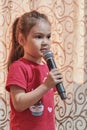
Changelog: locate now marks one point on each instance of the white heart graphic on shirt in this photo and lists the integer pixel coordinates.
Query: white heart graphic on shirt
(50, 109)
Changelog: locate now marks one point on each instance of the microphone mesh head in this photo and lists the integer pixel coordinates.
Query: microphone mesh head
(47, 54)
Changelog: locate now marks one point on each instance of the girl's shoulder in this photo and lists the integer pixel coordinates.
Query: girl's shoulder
(21, 67)
(21, 64)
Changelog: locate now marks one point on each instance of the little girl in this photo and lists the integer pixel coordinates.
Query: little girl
(29, 81)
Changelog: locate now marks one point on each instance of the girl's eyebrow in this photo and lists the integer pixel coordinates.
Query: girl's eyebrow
(39, 33)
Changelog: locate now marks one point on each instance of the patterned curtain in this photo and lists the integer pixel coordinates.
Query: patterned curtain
(69, 44)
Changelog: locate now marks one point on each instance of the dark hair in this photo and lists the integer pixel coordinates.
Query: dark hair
(23, 25)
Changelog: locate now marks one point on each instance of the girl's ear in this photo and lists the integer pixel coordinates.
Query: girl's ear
(21, 39)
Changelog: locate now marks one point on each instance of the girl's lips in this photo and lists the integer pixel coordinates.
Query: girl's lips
(43, 50)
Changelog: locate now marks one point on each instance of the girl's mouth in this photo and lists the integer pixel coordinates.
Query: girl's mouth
(43, 50)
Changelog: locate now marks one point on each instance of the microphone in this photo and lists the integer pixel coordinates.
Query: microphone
(48, 57)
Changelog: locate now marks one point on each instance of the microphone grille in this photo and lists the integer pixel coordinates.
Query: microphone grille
(47, 54)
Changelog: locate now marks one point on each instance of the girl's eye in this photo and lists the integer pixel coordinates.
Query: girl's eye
(49, 36)
(39, 36)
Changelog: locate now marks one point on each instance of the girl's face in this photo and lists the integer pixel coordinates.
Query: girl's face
(38, 40)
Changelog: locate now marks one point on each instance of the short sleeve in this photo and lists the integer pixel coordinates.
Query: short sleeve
(16, 76)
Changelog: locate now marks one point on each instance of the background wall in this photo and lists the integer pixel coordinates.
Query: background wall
(69, 44)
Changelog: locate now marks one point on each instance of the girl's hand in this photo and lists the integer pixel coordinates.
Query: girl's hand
(54, 77)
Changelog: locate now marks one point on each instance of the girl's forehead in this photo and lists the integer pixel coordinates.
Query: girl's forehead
(42, 26)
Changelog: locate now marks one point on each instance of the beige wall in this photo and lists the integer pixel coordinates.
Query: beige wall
(69, 44)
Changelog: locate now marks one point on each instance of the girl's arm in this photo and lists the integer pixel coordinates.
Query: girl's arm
(22, 100)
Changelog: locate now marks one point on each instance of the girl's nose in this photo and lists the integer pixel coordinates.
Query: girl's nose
(45, 41)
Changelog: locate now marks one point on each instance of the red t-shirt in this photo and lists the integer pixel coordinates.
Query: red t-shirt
(40, 116)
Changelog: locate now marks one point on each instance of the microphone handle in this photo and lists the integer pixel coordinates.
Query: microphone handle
(60, 88)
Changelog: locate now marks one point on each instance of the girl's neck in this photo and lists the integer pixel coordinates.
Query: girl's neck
(34, 59)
